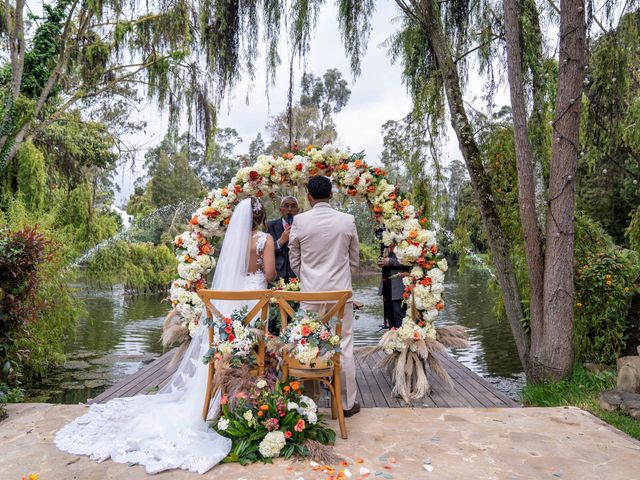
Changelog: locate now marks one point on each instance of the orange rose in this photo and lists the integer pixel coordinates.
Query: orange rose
(286, 389)
(357, 163)
(194, 220)
(377, 209)
(260, 413)
(224, 192)
(343, 167)
(259, 193)
(305, 331)
(404, 203)
(434, 249)
(413, 234)
(309, 148)
(295, 385)
(237, 188)
(313, 171)
(288, 156)
(205, 249)
(416, 335)
(392, 196)
(227, 220)
(264, 408)
(439, 305)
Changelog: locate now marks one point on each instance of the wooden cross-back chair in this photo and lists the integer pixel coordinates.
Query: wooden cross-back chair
(262, 298)
(332, 305)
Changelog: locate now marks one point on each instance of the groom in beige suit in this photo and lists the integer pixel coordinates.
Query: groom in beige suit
(323, 247)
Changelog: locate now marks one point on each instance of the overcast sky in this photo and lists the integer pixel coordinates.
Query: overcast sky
(377, 95)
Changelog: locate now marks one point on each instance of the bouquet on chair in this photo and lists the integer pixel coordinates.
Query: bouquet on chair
(232, 338)
(308, 340)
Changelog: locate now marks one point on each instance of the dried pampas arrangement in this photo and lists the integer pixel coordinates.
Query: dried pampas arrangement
(410, 366)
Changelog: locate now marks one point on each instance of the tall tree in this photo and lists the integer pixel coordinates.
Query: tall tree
(434, 45)
(551, 272)
(328, 94)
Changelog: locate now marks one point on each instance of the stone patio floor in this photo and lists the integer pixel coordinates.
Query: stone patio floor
(400, 443)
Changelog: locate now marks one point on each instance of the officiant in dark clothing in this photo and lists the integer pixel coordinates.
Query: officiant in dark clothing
(392, 288)
(279, 230)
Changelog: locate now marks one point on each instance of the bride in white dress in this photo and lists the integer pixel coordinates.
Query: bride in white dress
(166, 431)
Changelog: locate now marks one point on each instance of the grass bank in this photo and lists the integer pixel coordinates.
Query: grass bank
(581, 390)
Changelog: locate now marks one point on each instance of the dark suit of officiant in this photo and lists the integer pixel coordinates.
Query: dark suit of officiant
(283, 267)
(391, 288)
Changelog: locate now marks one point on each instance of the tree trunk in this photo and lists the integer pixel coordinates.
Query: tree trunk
(525, 169)
(479, 178)
(538, 128)
(17, 46)
(553, 357)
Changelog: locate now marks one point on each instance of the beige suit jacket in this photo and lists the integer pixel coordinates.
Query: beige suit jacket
(323, 247)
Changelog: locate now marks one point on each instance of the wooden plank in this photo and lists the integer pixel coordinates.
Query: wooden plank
(374, 385)
(497, 397)
(150, 381)
(379, 399)
(482, 399)
(135, 385)
(384, 385)
(484, 388)
(467, 390)
(140, 375)
(363, 387)
(114, 390)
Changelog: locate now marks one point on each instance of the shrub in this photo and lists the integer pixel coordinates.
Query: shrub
(21, 254)
(368, 255)
(8, 395)
(605, 285)
(37, 309)
(139, 267)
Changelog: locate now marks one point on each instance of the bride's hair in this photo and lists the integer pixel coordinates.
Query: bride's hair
(259, 213)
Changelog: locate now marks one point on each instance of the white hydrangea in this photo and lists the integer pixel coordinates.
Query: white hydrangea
(272, 444)
(407, 253)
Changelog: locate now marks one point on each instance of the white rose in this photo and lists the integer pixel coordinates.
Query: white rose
(248, 415)
(223, 424)
(442, 265)
(261, 383)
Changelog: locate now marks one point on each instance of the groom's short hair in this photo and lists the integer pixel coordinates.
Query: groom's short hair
(319, 187)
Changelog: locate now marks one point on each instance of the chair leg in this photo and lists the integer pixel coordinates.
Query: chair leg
(207, 395)
(334, 408)
(338, 401)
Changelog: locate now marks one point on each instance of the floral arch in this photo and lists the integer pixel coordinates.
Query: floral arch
(414, 245)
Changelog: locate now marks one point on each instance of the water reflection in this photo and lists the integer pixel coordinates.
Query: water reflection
(119, 334)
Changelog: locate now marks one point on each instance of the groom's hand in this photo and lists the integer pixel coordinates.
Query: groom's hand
(284, 238)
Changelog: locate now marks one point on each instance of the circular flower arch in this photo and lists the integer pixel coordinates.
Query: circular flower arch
(405, 233)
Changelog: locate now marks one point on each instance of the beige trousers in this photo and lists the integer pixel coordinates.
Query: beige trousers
(347, 360)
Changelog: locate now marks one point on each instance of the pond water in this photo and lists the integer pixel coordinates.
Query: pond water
(119, 334)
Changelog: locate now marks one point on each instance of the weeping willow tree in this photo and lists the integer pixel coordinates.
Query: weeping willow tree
(184, 55)
(435, 45)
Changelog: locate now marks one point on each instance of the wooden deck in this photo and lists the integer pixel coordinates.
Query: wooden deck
(374, 386)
